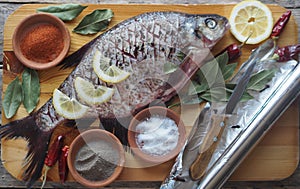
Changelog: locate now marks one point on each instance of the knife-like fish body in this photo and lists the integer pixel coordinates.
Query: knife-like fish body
(141, 46)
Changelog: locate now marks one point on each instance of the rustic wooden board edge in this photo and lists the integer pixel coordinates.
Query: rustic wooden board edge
(277, 132)
(135, 5)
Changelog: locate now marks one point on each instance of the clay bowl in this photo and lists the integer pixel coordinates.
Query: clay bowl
(133, 132)
(95, 135)
(27, 25)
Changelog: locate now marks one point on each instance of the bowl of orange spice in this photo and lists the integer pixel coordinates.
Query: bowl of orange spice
(41, 41)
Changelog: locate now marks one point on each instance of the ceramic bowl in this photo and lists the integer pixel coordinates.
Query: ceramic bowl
(86, 137)
(26, 25)
(144, 115)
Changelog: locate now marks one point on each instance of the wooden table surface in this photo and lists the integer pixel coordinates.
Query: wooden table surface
(7, 181)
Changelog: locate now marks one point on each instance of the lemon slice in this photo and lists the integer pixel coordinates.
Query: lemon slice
(91, 94)
(251, 16)
(67, 107)
(111, 74)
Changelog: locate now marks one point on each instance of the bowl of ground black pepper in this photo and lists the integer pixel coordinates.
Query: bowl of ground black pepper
(96, 158)
(41, 41)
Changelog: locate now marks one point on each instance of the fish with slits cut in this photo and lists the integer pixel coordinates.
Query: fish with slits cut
(141, 45)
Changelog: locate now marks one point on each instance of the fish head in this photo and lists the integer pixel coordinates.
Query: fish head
(210, 28)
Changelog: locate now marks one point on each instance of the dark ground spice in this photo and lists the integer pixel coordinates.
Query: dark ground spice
(96, 160)
(42, 43)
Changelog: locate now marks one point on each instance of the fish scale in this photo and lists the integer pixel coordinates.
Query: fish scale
(140, 45)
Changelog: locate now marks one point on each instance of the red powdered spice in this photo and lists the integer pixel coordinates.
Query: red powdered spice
(42, 43)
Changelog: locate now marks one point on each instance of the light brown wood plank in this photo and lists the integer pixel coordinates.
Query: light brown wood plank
(52, 78)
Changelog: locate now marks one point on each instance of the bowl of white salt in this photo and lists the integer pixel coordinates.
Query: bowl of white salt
(156, 134)
(96, 158)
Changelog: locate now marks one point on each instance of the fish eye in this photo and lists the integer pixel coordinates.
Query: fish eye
(210, 23)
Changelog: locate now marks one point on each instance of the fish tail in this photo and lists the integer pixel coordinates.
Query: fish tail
(37, 145)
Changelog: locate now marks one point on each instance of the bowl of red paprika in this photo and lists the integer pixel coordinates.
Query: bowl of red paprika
(41, 41)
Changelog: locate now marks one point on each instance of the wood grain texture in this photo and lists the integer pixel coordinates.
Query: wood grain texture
(208, 147)
(267, 150)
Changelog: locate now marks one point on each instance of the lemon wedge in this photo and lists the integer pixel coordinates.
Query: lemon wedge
(67, 107)
(91, 94)
(106, 72)
(251, 16)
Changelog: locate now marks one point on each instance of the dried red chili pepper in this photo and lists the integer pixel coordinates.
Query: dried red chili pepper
(280, 24)
(234, 50)
(62, 164)
(53, 155)
(286, 53)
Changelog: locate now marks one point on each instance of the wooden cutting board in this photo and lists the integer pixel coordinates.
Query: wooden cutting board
(276, 157)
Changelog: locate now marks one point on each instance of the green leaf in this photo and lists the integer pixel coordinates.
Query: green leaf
(206, 97)
(259, 80)
(181, 56)
(209, 86)
(230, 86)
(65, 12)
(208, 73)
(222, 59)
(12, 98)
(189, 100)
(195, 88)
(31, 89)
(216, 94)
(92, 23)
(169, 67)
(228, 70)
(219, 94)
(246, 96)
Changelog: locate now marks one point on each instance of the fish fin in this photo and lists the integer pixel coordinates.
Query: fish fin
(38, 141)
(119, 127)
(75, 58)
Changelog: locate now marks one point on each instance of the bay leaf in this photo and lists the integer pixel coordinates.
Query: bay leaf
(181, 56)
(195, 88)
(259, 80)
(208, 73)
(13, 98)
(65, 12)
(228, 70)
(206, 97)
(230, 86)
(31, 89)
(187, 100)
(222, 59)
(190, 100)
(216, 94)
(169, 67)
(246, 96)
(220, 96)
(95, 22)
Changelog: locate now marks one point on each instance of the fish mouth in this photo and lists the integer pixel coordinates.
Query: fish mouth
(208, 43)
(227, 25)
